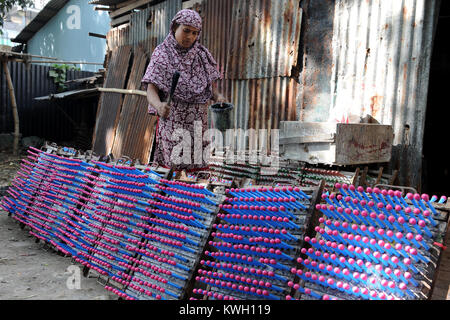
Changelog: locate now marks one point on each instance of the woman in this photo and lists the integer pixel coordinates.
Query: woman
(179, 121)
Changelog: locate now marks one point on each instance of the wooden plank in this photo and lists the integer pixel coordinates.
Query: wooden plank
(354, 143)
(136, 128)
(443, 262)
(297, 129)
(358, 143)
(441, 294)
(310, 153)
(108, 114)
(320, 138)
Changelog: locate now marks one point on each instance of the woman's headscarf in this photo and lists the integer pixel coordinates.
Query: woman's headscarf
(196, 65)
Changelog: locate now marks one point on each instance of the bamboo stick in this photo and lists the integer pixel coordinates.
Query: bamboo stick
(124, 91)
(26, 54)
(65, 62)
(14, 108)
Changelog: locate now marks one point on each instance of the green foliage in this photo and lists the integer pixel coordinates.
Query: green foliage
(58, 72)
(6, 5)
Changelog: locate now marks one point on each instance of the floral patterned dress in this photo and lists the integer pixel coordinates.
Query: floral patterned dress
(179, 138)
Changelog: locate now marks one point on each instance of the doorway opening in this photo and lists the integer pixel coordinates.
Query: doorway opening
(436, 164)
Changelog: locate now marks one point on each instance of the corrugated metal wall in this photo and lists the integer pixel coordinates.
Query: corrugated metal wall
(315, 61)
(254, 51)
(149, 27)
(259, 45)
(256, 54)
(216, 15)
(383, 71)
(380, 56)
(40, 118)
(328, 60)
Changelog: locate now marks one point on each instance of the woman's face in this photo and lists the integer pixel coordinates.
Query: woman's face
(186, 35)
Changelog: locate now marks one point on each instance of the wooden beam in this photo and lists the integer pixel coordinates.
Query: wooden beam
(133, 5)
(121, 20)
(123, 4)
(102, 9)
(97, 35)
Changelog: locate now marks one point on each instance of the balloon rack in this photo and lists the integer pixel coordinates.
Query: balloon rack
(147, 236)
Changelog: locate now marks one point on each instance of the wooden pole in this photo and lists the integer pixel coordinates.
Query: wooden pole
(14, 107)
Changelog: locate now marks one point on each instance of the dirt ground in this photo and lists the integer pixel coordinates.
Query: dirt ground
(29, 270)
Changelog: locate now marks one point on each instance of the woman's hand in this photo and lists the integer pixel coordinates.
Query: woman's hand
(219, 98)
(163, 110)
